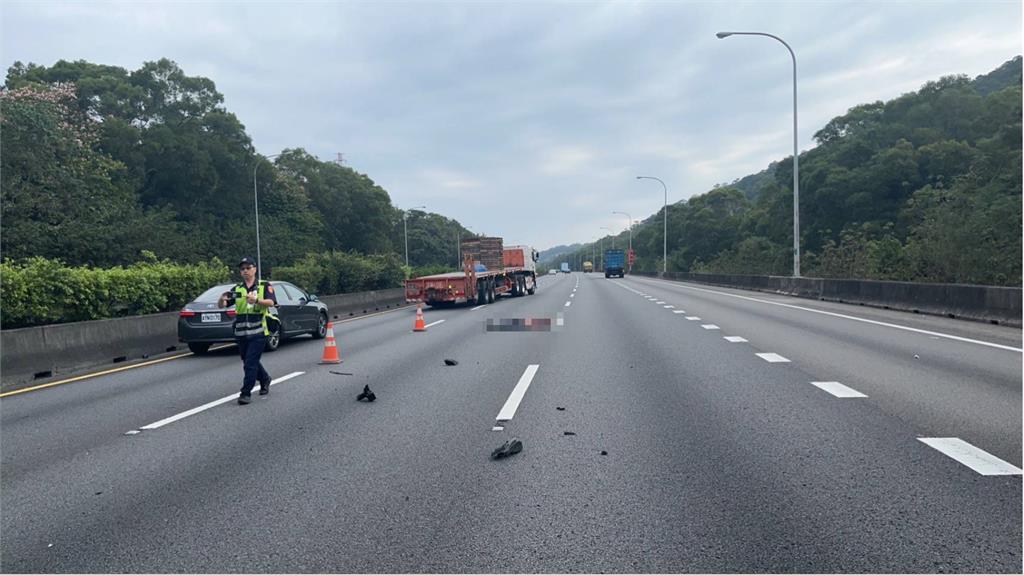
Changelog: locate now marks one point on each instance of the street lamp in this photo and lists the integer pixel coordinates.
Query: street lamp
(664, 241)
(256, 203)
(796, 155)
(630, 218)
(458, 243)
(405, 227)
(613, 235)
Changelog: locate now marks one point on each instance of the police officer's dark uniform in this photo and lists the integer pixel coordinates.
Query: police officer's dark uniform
(251, 329)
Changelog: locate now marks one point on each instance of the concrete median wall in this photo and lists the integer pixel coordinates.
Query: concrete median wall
(994, 304)
(40, 352)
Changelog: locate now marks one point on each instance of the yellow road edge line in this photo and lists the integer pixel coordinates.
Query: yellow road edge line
(151, 362)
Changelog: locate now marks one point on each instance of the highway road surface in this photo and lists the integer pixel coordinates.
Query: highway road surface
(666, 427)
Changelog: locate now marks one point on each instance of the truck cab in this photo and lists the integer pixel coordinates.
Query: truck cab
(588, 266)
(565, 267)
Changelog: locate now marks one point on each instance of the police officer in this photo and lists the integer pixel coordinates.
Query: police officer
(252, 301)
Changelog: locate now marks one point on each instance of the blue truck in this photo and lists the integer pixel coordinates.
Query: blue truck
(614, 263)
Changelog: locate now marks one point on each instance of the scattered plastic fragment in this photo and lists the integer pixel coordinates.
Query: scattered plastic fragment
(604, 453)
(510, 447)
(559, 407)
(568, 433)
(450, 362)
(366, 395)
(340, 373)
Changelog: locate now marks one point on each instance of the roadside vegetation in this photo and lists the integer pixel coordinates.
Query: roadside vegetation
(925, 187)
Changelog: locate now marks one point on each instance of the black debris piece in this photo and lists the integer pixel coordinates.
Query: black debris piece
(560, 408)
(510, 447)
(366, 395)
(604, 453)
(340, 373)
(568, 433)
(450, 362)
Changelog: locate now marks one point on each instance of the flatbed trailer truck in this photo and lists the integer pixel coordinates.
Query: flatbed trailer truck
(473, 285)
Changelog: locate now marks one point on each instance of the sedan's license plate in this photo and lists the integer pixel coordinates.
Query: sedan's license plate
(214, 317)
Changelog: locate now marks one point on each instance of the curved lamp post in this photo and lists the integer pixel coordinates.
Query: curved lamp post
(796, 155)
(664, 241)
(405, 227)
(256, 203)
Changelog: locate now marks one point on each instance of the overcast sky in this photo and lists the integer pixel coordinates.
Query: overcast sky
(530, 120)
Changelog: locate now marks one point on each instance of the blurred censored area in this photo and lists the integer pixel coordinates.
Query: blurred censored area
(524, 324)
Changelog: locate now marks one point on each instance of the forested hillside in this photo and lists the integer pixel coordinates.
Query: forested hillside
(101, 163)
(925, 187)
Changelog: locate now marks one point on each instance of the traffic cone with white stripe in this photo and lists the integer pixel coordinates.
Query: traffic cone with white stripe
(330, 347)
(420, 325)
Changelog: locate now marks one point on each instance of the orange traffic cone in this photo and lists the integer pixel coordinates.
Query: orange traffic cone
(330, 347)
(420, 325)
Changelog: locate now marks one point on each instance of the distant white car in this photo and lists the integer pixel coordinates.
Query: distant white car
(552, 271)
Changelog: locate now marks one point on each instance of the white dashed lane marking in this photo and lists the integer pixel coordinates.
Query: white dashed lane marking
(974, 458)
(668, 306)
(735, 339)
(839, 390)
(512, 404)
(772, 357)
(693, 317)
(709, 326)
(568, 303)
(679, 311)
(208, 405)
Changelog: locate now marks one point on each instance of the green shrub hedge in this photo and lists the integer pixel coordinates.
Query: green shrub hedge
(343, 272)
(39, 291)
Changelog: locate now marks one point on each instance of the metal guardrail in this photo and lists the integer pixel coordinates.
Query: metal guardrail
(45, 351)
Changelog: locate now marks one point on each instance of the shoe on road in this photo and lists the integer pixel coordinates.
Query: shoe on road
(244, 398)
(510, 447)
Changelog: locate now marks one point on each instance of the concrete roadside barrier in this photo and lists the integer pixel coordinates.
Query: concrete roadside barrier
(993, 304)
(42, 352)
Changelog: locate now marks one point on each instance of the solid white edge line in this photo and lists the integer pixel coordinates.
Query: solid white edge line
(435, 322)
(478, 307)
(508, 411)
(839, 390)
(209, 405)
(865, 320)
(772, 357)
(973, 457)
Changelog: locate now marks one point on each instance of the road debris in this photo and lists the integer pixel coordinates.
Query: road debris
(562, 408)
(366, 395)
(604, 453)
(510, 447)
(568, 433)
(341, 373)
(450, 362)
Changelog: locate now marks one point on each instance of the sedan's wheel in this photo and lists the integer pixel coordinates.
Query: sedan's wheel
(321, 327)
(199, 348)
(273, 341)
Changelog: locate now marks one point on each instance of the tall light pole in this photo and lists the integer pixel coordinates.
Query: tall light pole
(796, 152)
(630, 226)
(256, 203)
(405, 227)
(613, 235)
(664, 240)
(458, 244)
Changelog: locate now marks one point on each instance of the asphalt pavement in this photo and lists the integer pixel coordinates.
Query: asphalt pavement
(666, 427)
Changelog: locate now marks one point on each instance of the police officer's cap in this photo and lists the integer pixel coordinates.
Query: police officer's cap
(247, 261)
